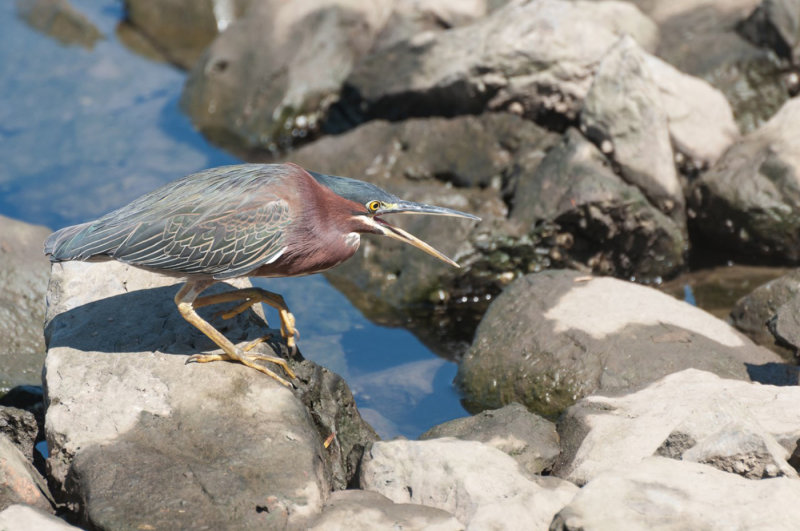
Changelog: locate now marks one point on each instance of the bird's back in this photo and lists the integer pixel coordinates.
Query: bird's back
(221, 223)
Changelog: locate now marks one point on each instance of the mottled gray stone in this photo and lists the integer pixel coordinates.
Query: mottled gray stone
(23, 517)
(350, 510)
(530, 439)
(660, 493)
(743, 428)
(483, 487)
(751, 312)
(553, 337)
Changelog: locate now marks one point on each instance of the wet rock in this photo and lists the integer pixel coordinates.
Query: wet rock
(360, 509)
(669, 494)
(530, 439)
(59, 20)
(483, 487)
(138, 438)
(19, 481)
(752, 312)
(554, 337)
(27, 517)
(613, 228)
(775, 24)
(622, 114)
(182, 29)
(738, 427)
(240, 96)
(23, 281)
(536, 58)
(746, 202)
(19, 427)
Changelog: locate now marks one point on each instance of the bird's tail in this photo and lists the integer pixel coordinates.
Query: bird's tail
(68, 243)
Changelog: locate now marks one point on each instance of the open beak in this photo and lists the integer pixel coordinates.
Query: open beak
(408, 207)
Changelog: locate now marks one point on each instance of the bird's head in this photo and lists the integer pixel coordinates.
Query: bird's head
(374, 203)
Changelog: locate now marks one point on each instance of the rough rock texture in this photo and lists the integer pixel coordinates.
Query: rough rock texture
(19, 481)
(530, 439)
(747, 201)
(622, 113)
(358, 509)
(612, 227)
(554, 337)
(483, 487)
(26, 517)
(59, 20)
(182, 29)
(775, 24)
(137, 438)
(660, 493)
(20, 427)
(700, 119)
(239, 95)
(785, 324)
(752, 312)
(23, 281)
(536, 57)
(738, 427)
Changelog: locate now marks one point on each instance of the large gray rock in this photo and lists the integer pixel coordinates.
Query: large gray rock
(23, 282)
(536, 57)
(241, 96)
(19, 481)
(775, 24)
(354, 510)
(623, 114)
(738, 427)
(660, 493)
(611, 226)
(753, 311)
(530, 439)
(747, 202)
(482, 486)
(137, 438)
(22, 517)
(554, 337)
(20, 427)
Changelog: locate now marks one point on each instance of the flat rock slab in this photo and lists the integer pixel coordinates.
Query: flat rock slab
(666, 494)
(553, 337)
(138, 439)
(743, 428)
(482, 486)
(355, 510)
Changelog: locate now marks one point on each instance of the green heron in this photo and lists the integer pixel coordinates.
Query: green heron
(263, 220)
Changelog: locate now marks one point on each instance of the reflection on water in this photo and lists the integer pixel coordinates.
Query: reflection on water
(85, 131)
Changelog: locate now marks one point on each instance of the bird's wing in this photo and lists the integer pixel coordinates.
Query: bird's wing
(222, 224)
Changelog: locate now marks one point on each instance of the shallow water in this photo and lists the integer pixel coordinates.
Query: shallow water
(85, 131)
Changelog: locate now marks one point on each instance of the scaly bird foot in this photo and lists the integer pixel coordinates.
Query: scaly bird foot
(250, 360)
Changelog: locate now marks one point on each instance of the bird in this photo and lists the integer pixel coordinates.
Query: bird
(244, 220)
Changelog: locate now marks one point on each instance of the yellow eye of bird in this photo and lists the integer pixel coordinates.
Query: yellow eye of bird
(373, 206)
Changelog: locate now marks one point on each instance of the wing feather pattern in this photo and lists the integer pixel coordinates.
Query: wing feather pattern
(223, 222)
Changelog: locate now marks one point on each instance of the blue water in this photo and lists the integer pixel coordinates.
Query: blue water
(85, 131)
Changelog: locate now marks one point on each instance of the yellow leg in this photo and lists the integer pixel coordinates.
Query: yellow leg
(186, 299)
(253, 296)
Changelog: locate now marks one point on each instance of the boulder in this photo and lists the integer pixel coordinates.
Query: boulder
(775, 24)
(61, 21)
(738, 427)
(659, 493)
(753, 311)
(137, 438)
(605, 224)
(747, 202)
(23, 282)
(27, 517)
(359, 509)
(554, 337)
(19, 427)
(481, 486)
(530, 439)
